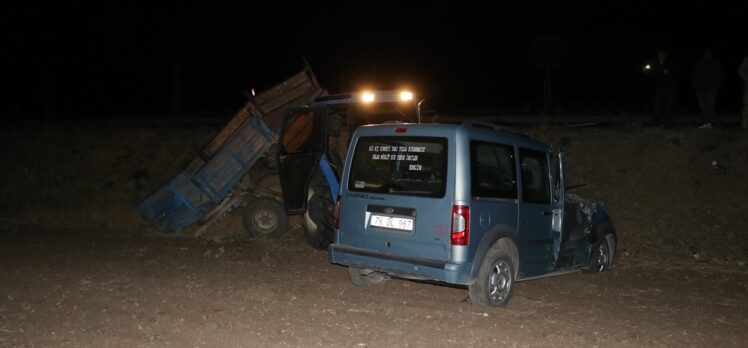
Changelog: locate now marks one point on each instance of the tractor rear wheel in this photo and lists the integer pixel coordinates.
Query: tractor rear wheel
(319, 218)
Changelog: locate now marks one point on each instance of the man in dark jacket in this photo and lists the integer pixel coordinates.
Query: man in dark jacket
(666, 76)
(707, 77)
(743, 72)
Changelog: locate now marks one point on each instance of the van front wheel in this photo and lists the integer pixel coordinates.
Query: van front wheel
(600, 258)
(495, 282)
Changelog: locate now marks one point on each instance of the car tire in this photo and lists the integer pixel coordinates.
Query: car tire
(494, 284)
(369, 279)
(265, 217)
(601, 256)
(319, 217)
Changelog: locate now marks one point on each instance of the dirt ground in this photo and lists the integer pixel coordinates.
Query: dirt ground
(79, 268)
(69, 288)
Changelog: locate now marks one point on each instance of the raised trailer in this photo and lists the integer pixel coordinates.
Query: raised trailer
(218, 181)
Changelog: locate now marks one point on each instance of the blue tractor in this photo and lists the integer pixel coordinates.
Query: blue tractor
(312, 142)
(235, 169)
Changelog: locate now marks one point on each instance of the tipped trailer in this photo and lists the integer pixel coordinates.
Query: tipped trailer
(236, 168)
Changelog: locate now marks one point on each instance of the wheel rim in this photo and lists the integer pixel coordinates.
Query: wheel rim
(500, 281)
(603, 255)
(312, 227)
(264, 221)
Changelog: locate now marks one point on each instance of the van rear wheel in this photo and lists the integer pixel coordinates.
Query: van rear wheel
(319, 217)
(495, 282)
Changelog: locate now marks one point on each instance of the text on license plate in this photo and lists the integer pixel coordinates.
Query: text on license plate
(404, 224)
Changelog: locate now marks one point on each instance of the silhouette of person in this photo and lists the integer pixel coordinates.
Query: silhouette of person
(706, 78)
(743, 72)
(666, 75)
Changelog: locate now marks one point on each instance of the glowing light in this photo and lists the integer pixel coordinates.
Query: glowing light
(406, 95)
(367, 97)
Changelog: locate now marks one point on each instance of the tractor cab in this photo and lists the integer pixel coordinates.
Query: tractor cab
(313, 141)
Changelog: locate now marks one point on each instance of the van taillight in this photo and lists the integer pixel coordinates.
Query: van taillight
(460, 225)
(337, 213)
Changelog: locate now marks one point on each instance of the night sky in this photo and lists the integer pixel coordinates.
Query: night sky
(106, 59)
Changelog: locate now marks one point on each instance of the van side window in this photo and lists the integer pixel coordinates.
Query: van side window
(492, 170)
(535, 183)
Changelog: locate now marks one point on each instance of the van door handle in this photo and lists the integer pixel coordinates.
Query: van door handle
(547, 212)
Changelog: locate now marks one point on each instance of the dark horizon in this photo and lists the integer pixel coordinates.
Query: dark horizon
(101, 60)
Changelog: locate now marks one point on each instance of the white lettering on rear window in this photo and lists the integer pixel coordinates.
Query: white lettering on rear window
(395, 153)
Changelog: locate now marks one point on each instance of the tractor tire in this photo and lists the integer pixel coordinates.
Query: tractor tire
(319, 218)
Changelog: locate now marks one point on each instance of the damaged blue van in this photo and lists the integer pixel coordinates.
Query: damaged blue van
(470, 204)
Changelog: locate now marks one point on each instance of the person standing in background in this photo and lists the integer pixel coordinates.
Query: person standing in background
(707, 77)
(743, 72)
(666, 75)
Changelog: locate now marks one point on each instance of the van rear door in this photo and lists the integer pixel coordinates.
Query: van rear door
(393, 197)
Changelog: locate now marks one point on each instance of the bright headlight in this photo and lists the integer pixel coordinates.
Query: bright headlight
(367, 97)
(406, 96)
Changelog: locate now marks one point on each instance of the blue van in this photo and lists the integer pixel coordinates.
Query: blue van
(469, 204)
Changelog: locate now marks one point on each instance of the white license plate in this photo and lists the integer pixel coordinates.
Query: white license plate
(397, 223)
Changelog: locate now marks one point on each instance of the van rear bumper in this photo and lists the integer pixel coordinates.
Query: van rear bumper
(401, 266)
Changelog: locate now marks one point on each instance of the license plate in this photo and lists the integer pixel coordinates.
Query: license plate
(397, 223)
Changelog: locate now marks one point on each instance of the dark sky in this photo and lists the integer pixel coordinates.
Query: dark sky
(104, 59)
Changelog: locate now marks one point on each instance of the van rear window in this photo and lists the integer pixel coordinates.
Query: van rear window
(413, 166)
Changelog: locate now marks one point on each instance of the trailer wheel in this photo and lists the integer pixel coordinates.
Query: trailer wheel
(265, 217)
(320, 214)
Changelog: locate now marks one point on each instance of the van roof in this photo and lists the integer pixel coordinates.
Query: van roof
(469, 126)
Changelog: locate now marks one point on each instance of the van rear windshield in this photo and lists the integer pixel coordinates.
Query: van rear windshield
(413, 166)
